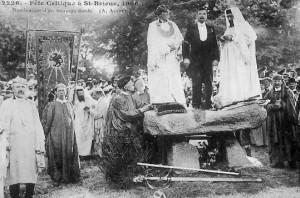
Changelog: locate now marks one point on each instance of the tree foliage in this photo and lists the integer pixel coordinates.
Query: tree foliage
(123, 38)
(12, 48)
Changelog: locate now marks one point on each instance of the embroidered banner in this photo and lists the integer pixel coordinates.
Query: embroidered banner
(54, 55)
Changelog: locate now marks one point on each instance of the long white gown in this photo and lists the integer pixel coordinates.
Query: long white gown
(3, 161)
(20, 119)
(164, 79)
(84, 126)
(238, 69)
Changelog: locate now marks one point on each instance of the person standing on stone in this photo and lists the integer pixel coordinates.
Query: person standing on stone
(20, 120)
(201, 53)
(238, 69)
(62, 151)
(164, 42)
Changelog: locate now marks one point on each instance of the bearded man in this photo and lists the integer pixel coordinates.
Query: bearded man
(123, 140)
(281, 122)
(84, 121)
(62, 152)
(21, 123)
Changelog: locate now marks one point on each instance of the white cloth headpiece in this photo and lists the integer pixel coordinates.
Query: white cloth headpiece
(238, 18)
(240, 23)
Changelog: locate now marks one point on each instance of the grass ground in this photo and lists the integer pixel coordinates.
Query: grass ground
(277, 183)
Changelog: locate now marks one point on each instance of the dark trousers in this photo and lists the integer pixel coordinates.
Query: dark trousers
(14, 190)
(200, 78)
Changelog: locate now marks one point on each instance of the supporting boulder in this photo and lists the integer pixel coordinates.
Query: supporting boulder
(184, 155)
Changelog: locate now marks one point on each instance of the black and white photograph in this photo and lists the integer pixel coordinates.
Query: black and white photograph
(149, 98)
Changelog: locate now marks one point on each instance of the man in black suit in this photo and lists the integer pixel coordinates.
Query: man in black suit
(201, 50)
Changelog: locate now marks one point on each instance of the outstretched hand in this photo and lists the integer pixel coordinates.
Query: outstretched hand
(146, 108)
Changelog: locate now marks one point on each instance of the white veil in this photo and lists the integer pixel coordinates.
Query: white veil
(246, 45)
(241, 24)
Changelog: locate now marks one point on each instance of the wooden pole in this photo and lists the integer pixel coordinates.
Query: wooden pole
(27, 48)
(76, 72)
(191, 169)
(198, 179)
(63, 31)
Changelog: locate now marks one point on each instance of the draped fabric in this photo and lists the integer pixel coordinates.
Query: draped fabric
(54, 55)
(123, 114)
(62, 152)
(238, 68)
(20, 119)
(123, 141)
(164, 78)
(259, 136)
(100, 113)
(84, 126)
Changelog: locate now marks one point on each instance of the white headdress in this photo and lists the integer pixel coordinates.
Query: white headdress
(240, 23)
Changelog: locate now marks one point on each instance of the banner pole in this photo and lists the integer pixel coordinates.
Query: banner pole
(76, 71)
(27, 48)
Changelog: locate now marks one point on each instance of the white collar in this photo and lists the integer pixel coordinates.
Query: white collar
(201, 24)
(277, 89)
(61, 101)
(293, 90)
(161, 21)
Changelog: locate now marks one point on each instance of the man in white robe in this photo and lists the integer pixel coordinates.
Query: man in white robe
(164, 52)
(84, 121)
(3, 160)
(238, 69)
(21, 123)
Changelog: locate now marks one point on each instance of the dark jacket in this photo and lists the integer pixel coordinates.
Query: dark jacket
(200, 53)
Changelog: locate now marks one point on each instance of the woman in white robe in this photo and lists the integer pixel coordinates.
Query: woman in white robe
(164, 52)
(238, 69)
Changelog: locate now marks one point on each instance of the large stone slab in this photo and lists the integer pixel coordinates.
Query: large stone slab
(236, 117)
(184, 155)
(235, 155)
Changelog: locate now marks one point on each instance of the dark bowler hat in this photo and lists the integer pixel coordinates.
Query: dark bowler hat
(278, 77)
(123, 81)
(292, 80)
